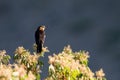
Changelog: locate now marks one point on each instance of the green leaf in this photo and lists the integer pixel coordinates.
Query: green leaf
(38, 77)
(40, 63)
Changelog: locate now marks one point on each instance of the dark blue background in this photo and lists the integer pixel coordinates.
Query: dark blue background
(92, 25)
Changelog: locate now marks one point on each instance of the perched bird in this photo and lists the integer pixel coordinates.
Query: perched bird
(40, 37)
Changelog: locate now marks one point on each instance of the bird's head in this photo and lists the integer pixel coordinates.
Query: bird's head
(42, 28)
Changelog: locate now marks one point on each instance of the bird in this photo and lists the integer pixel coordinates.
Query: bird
(40, 38)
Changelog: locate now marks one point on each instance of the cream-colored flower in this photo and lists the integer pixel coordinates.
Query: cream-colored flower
(86, 55)
(34, 46)
(100, 73)
(15, 74)
(51, 67)
(89, 73)
(45, 49)
(51, 59)
(33, 59)
(2, 52)
(83, 56)
(20, 50)
(19, 70)
(30, 76)
(6, 71)
(67, 49)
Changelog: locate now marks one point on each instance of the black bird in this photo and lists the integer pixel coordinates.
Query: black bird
(40, 37)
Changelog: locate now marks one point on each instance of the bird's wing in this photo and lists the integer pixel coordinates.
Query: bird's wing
(37, 37)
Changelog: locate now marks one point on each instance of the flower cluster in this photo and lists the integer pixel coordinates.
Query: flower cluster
(69, 65)
(26, 66)
(31, 62)
(15, 72)
(4, 59)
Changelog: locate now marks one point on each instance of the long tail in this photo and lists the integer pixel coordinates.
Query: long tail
(39, 48)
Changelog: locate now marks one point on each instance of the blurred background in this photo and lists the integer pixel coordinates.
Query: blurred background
(88, 25)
